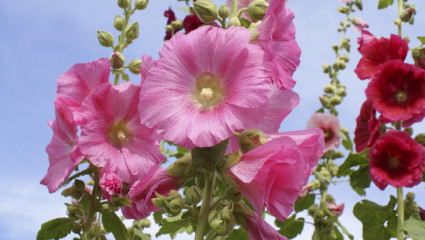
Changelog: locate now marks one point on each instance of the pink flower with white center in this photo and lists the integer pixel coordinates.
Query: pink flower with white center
(79, 82)
(112, 136)
(277, 37)
(330, 126)
(206, 85)
(273, 174)
(143, 191)
(110, 183)
(63, 150)
(259, 229)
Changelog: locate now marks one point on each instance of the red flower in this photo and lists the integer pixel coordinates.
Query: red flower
(396, 159)
(171, 17)
(397, 91)
(367, 128)
(191, 22)
(376, 51)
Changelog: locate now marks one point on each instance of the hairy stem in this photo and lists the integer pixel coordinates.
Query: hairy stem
(400, 213)
(205, 207)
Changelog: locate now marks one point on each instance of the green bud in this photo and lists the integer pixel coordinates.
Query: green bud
(142, 223)
(359, 4)
(337, 154)
(410, 196)
(420, 138)
(315, 184)
(335, 100)
(234, 21)
(345, 58)
(341, 65)
(177, 24)
(326, 68)
(132, 31)
(134, 66)
(119, 23)
(224, 11)
(105, 38)
(141, 4)
(410, 206)
(257, 9)
(169, 28)
(158, 202)
(324, 100)
(233, 194)
(175, 206)
(193, 195)
(251, 138)
(329, 88)
(180, 168)
(407, 14)
(409, 131)
(205, 10)
(343, 9)
(341, 92)
(253, 29)
(123, 3)
(117, 60)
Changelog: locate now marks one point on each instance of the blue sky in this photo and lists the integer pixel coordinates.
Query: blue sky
(41, 39)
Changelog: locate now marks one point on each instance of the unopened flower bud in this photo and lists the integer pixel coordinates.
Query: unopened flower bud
(335, 100)
(119, 23)
(142, 223)
(420, 138)
(117, 60)
(132, 31)
(409, 131)
(341, 65)
(337, 154)
(257, 9)
(359, 4)
(224, 11)
(329, 88)
(233, 194)
(177, 24)
(141, 4)
(315, 184)
(123, 3)
(234, 21)
(406, 14)
(326, 68)
(341, 92)
(193, 195)
(410, 196)
(175, 206)
(250, 139)
(410, 206)
(158, 202)
(205, 10)
(343, 9)
(134, 66)
(418, 55)
(180, 168)
(105, 38)
(169, 28)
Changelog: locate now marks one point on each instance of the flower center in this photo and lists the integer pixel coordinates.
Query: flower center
(328, 134)
(208, 91)
(394, 163)
(401, 96)
(119, 134)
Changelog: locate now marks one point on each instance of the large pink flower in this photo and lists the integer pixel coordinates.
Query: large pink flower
(143, 191)
(206, 85)
(274, 173)
(259, 229)
(79, 82)
(367, 128)
(112, 136)
(63, 150)
(397, 91)
(377, 51)
(396, 159)
(277, 37)
(330, 126)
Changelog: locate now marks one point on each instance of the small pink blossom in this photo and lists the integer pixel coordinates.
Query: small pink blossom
(112, 136)
(143, 191)
(63, 150)
(330, 126)
(359, 24)
(79, 82)
(259, 229)
(205, 85)
(110, 183)
(336, 209)
(273, 174)
(344, 1)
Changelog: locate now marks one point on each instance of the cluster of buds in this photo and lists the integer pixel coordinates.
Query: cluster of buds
(173, 204)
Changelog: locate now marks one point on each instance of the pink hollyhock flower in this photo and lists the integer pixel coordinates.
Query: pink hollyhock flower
(335, 209)
(259, 229)
(206, 85)
(110, 183)
(379, 50)
(63, 150)
(79, 82)
(364, 39)
(396, 159)
(396, 91)
(359, 24)
(143, 191)
(112, 136)
(147, 63)
(367, 128)
(330, 126)
(279, 44)
(273, 174)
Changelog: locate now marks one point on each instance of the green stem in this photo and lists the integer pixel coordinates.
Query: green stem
(93, 205)
(201, 226)
(400, 10)
(400, 213)
(234, 8)
(338, 53)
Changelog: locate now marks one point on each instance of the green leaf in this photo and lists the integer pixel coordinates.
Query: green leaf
(206, 158)
(346, 141)
(157, 216)
(55, 229)
(172, 227)
(360, 179)
(125, 77)
(353, 159)
(304, 203)
(140, 235)
(338, 234)
(112, 223)
(186, 10)
(385, 3)
(422, 39)
(415, 227)
(238, 234)
(291, 227)
(373, 217)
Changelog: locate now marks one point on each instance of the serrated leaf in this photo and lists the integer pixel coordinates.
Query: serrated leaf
(238, 234)
(55, 229)
(422, 39)
(353, 159)
(291, 227)
(360, 179)
(112, 223)
(415, 227)
(304, 203)
(385, 3)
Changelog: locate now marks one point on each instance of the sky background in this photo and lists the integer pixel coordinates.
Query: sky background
(42, 39)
